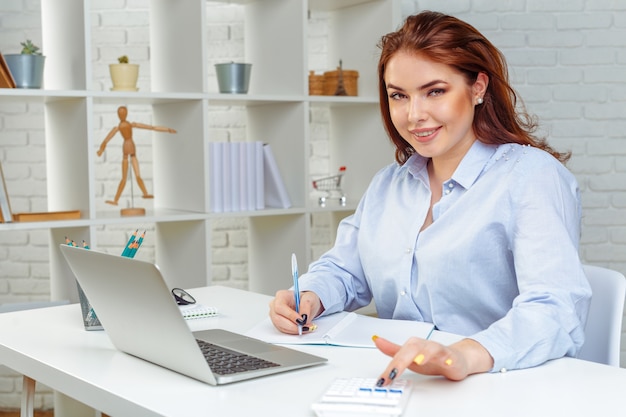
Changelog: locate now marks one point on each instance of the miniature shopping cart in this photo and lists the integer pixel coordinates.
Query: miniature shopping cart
(331, 186)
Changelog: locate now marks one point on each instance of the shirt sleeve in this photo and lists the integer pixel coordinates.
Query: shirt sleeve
(547, 318)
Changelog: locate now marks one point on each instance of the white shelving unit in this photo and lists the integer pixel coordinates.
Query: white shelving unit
(277, 108)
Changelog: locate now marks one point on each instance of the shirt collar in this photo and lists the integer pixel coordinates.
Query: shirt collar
(468, 171)
(416, 165)
(473, 163)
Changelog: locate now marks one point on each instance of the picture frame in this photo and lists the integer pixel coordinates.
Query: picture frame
(5, 206)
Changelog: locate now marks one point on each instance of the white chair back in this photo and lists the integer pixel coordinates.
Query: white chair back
(603, 330)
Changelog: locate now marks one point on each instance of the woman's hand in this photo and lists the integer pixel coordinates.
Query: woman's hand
(454, 362)
(283, 311)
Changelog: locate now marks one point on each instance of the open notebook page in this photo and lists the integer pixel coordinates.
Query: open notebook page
(345, 329)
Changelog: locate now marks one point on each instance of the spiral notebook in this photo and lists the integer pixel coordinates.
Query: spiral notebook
(197, 311)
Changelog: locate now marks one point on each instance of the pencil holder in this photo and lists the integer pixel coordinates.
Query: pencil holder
(90, 320)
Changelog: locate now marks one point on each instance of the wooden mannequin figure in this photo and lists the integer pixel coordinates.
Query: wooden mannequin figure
(126, 130)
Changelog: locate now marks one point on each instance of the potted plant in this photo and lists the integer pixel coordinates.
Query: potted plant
(27, 66)
(124, 75)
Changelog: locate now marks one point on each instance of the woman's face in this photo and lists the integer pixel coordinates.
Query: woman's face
(432, 106)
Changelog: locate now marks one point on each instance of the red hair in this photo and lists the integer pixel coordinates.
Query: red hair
(447, 40)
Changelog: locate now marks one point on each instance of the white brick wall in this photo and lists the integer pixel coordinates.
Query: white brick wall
(567, 59)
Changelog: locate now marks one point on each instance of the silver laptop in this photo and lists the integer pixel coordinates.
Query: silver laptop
(140, 316)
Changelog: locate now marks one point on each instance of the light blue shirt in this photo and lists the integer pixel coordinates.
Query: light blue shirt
(499, 263)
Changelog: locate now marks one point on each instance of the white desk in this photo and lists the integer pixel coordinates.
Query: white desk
(50, 346)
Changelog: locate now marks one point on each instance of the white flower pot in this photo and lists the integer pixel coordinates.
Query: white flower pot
(124, 76)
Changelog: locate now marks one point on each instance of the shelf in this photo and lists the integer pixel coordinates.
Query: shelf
(170, 216)
(116, 97)
(331, 5)
(325, 5)
(144, 98)
(10, 95)
(277, 110)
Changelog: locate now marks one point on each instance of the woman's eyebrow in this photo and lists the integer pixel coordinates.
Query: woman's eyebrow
(422, 87)
(432, 83)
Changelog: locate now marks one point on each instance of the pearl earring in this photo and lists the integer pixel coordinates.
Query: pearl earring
(479, 100)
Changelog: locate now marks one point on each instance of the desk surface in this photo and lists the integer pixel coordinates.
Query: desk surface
(50, 346)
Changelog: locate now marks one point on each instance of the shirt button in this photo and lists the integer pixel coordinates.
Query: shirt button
(447, 192)
(503, 370)
(409, 250)
(403, 293)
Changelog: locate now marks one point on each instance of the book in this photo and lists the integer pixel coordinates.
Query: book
(243, 175)
(235, 184)
(259, 176)
(237, 176)
(46, 216)
(226, 196)
(5, 207)
(216, 150)
(250, 182)
(275, 191)
(345, 329)
(6, 78)
(197, 311)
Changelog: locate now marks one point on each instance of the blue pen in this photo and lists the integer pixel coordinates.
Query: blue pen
(296, 288)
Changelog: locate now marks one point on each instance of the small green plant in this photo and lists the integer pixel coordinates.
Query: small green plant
(123, 59)
(29, 48)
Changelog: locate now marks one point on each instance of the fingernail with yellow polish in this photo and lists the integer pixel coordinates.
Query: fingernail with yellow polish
(448, 362)
(374, 338)
(419, 359)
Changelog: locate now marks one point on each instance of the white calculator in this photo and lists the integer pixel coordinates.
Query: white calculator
(359, 397)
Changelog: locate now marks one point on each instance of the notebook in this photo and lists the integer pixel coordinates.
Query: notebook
(197, 311)
(142, 319)
(345, 329)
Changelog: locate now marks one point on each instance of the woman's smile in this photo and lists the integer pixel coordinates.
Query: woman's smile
(425, 135)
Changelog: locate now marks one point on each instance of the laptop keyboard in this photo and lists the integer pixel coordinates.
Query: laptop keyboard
(225, 361)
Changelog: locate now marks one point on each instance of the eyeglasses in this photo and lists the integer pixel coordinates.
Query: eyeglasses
(182, 297)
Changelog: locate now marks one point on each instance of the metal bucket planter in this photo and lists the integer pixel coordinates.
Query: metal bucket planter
(27, 70)
(233, 78)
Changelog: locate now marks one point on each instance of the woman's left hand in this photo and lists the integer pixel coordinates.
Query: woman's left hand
(426, 357)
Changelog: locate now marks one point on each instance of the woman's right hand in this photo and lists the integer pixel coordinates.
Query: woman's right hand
(283, 311)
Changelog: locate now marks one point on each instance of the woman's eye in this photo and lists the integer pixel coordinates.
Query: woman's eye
(436, 92)
(396, 96)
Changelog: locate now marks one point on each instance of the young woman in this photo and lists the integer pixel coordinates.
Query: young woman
(475, 228)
